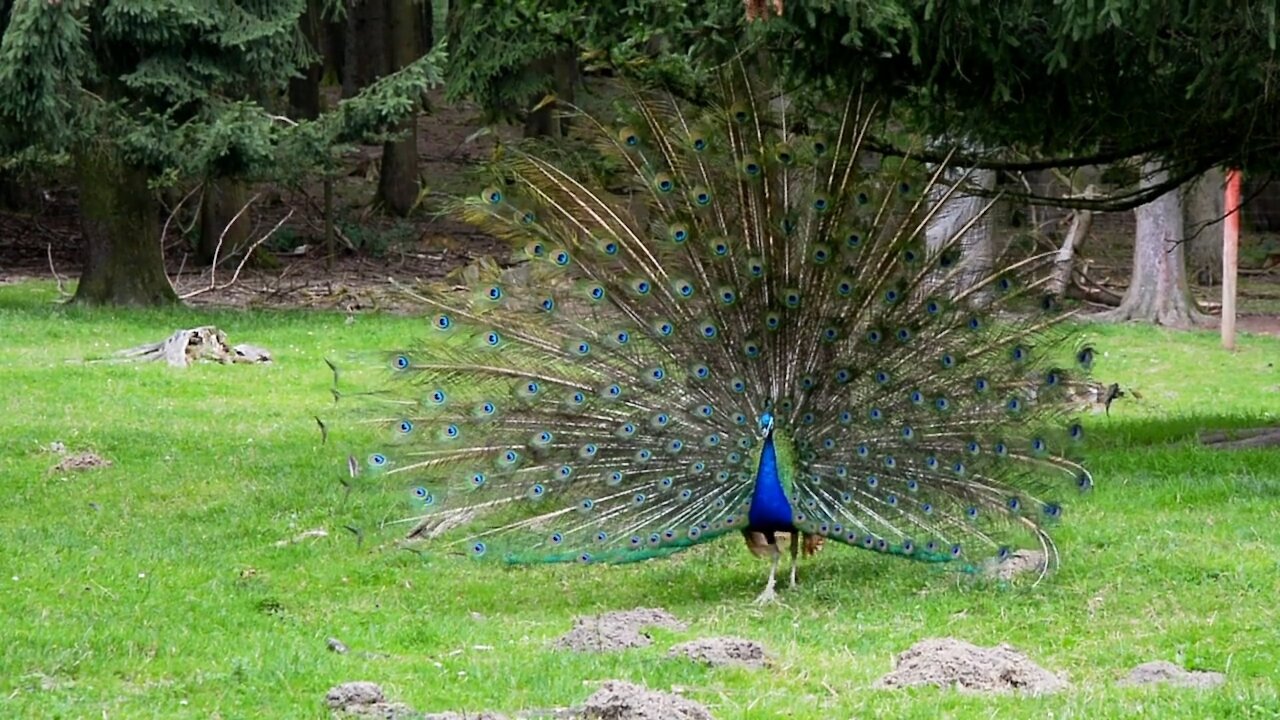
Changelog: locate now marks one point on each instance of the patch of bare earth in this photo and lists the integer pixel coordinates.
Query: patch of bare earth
(1162, 672)
(948, 662)
(620, 700)
(616, 630)
(1019, 563)
(721, 651)
(615, 700)
(366, 699)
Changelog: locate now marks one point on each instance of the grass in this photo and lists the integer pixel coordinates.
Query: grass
(155, 588)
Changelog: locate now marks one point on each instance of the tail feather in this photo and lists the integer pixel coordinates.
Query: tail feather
(605, 409)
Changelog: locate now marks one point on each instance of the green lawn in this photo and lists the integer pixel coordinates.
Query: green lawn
(155, 588)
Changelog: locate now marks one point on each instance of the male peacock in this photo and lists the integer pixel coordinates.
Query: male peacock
(747, 333)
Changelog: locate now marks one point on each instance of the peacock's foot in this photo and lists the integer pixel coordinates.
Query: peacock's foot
(766, 597)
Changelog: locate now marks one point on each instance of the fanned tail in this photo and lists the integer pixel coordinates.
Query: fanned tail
(606, 408)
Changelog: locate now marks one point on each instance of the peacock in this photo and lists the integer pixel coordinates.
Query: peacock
(730, 319)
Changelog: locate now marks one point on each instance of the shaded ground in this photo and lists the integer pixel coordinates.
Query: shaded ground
(43, 240)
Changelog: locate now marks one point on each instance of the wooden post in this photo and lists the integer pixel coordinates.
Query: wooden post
(1230, 253)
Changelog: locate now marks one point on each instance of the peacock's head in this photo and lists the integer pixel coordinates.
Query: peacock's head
(766, 424)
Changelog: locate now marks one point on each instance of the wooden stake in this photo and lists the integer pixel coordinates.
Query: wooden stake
(1230, 258)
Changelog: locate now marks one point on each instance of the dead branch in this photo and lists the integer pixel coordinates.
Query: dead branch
(1241, 439)
(217, 249)
(213, 270)
(164, 232)
(48, 248)
(1085, 288)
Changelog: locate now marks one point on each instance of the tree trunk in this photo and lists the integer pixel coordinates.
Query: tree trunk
(1202, 214)
(365, 53)
(398, 178)
(223, 199)
(124, 260)
(304, 92)
(543, 119)
(976, 244)
(1158, 291)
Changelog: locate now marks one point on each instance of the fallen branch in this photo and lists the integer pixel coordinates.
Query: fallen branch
(1064, 261)
(1241, 439)
(1093, 293)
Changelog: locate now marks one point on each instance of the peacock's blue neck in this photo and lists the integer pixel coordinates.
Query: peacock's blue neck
(770, 509)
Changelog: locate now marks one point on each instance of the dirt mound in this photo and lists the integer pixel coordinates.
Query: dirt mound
(616, 630)
(1164, 672)
(1018, 564)
(722, 651)
(367, 700)
(619, 700)
(947, 662)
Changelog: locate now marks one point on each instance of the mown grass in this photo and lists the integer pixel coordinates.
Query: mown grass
(155, 587)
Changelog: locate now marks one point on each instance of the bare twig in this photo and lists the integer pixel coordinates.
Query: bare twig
(213, 285)
(164, 231)
(213, 266)
(49, 250)
(283, 119)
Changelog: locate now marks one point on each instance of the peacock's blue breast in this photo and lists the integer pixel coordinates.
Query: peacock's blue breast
(770, 508)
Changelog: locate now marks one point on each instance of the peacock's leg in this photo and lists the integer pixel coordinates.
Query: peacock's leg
(795, 555)
(768, 595)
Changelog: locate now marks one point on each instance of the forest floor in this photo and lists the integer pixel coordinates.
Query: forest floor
(201, 569)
